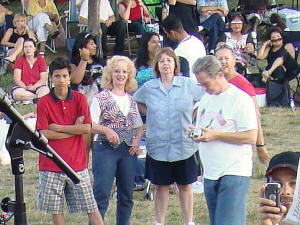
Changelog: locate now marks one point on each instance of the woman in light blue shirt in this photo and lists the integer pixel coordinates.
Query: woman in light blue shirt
(168, 101)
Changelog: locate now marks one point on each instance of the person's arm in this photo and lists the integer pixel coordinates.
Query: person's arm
(5, 10)
(78, 72)
(268, 213)
(243, 137)
(124, 12)
(261, 149)
(17, 78)
(53, 135)
(83, 20)
(208, 10)
(110, 20)
(142, 108)
(249, 48)
(188, 2)
(76, 129)
(264, 50)
(6, 37)
(136, 140)
(147, 14)
(110, 134)
(290, 49)
(53, 12)
(41, 81)
(31, 34)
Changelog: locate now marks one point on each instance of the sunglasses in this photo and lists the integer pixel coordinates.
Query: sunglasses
(275, 40)
(236, 22)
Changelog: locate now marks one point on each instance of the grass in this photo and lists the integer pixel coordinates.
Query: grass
(280, 126)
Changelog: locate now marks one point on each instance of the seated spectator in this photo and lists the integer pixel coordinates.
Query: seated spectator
(30, 74)
(239, 41)
(212, 17)
(149, 45)
(44, 19)
(6, 17)
(14, 37)
(282, 169)
(86, 66)
(136, 12)
(3, 13)
(273, 49)
(186, 12)
(108, 24)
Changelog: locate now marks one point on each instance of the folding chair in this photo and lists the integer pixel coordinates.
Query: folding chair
(72, 17)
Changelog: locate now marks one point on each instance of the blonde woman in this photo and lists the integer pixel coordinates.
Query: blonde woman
(117, 122)
(14, 37)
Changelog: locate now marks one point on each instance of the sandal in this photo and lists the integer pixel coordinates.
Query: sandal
(9, 59)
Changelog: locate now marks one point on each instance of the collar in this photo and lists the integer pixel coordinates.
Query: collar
(157, 82)
(55, 98)
(186, 38)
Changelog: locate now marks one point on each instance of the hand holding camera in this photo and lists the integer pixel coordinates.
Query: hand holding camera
(268, 211)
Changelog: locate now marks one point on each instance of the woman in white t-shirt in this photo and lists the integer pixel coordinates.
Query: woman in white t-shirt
(118, 125)
(239, 41)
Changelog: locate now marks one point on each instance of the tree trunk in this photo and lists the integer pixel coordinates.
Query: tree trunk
(93, 21)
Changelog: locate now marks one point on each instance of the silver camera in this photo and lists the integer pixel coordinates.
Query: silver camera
(196, 133)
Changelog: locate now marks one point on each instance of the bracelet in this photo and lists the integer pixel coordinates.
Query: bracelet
(261, 145)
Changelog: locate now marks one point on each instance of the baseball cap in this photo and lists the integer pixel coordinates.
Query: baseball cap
(284, 160)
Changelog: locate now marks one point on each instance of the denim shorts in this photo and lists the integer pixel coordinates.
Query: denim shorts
(165, 173)
(54, 187)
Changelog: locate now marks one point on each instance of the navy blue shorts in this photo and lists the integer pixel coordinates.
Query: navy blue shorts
(165, 173)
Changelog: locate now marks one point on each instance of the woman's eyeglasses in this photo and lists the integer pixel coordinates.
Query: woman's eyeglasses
(275, 40)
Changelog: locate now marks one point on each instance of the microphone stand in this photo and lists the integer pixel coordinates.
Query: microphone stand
(22, 137)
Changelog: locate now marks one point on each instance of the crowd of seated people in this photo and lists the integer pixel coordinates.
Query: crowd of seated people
(108, 88)
(44, 18)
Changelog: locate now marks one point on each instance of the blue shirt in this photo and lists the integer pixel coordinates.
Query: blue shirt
(143, 75)
(169, 113)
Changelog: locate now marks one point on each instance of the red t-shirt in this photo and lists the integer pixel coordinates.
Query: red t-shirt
(30, 75)
(63, 112)
(243, 84)
(135, 13)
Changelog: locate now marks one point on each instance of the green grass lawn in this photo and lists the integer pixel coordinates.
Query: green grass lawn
(281, 128)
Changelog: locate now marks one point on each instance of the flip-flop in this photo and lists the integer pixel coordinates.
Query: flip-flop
(9, 59)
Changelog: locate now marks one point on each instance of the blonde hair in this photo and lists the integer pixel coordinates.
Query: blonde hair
(169, 51)
(18, 16)
(106, 79)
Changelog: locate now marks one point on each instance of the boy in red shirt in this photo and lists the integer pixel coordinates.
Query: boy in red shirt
(63, 117)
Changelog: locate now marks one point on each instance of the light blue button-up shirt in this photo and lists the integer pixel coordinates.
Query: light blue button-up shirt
(169, 113)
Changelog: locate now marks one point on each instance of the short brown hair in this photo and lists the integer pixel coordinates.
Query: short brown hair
(169, 52)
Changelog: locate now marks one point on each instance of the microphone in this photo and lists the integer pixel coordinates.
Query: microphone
(37, 139)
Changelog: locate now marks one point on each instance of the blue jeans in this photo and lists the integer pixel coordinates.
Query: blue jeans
(226, 199)
(215, 26)
(108, 163)
(140, 172)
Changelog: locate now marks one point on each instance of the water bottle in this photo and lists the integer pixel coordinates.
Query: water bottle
(292, 104)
